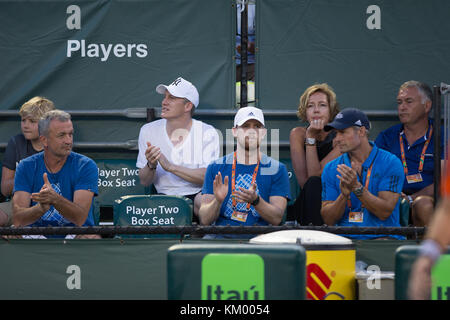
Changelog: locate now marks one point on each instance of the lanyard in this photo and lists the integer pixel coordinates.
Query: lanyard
(233, 179)
(422, 156)
(366, 185)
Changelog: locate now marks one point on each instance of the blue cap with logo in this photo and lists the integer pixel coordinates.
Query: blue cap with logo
(348, 118)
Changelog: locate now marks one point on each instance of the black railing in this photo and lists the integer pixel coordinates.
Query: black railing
(414, 232)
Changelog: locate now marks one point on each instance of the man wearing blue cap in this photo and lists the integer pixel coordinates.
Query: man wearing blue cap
(362, 187)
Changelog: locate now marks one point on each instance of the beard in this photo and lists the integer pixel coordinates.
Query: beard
(251, 144)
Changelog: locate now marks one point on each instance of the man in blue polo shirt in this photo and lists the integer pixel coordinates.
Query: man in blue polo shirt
(412, 142)
(362, 187)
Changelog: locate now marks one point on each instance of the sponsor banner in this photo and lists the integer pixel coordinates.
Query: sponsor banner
(330, 274)
(232, 276)
(440, 279)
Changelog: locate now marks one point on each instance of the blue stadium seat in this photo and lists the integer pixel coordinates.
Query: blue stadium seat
(404, 213)
(295, 188)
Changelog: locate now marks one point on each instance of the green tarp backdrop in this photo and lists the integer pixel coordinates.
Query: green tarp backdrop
(111, 54)
(364, 49)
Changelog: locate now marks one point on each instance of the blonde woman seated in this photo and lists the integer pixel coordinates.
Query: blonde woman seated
(311, 149)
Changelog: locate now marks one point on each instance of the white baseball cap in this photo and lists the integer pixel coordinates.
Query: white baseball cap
(180, 88)
(247, 113)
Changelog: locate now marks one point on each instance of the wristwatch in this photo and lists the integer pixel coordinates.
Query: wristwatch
(310, 141)
(358, 191)
(410, 199)
(151, 168)
(254, 203)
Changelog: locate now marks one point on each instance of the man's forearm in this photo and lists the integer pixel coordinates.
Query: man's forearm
(26, 216)
(71, 211)
(332, 211)
(209, 212)
(380, 207)
(269, 212)
(375, 205)
(195, 176)
(146, 176)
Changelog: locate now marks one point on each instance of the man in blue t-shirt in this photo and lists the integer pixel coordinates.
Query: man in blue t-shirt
(245, 187)
(362, 187)
(412, 141)
(55, 187)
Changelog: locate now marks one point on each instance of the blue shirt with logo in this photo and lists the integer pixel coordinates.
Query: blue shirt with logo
(389, 140)
(78, 173)
(387, 175)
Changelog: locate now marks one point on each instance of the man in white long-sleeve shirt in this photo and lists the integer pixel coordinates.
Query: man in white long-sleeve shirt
(175, 150)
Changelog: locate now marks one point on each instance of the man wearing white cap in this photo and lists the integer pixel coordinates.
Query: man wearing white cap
(245, 187)
(175, 150)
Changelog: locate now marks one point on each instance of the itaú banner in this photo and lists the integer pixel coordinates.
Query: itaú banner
(111, 54)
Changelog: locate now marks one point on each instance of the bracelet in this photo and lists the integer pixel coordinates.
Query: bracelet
(430, 249)
(151, 168)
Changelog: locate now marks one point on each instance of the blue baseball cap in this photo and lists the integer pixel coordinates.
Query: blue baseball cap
(348, 118)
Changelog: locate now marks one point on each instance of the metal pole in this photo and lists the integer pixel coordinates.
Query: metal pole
(143, 113)
(437, 140)
(151, 114)
(244, 54)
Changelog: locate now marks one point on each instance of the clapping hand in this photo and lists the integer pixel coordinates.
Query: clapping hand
(246, 195)
(155, 156)
(220, 188)
(164, 162)
(348, 179)
(152, 154)
(46, 196)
